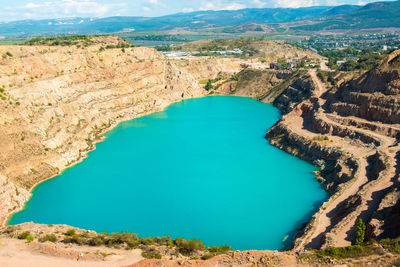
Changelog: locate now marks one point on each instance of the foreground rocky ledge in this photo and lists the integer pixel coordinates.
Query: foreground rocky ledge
(61, 245)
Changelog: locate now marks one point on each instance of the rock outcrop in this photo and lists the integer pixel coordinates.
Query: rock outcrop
(374, 96)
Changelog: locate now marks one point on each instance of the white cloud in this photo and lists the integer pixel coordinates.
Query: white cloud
(219, 5)
(235, 6)
(187, 10)
(295, 3)
(63, 8)
(258, 3)
(156, 3)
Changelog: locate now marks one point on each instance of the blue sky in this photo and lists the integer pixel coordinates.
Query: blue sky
(41, 9)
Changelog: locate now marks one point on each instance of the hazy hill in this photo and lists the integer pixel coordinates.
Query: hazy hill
(374, 15)
(381, 14)
(194, 20)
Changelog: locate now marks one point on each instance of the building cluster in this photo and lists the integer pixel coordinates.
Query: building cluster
(346, 59)
(196, 53)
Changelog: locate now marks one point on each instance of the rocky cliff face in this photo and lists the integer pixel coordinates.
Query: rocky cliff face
(351, 132)
(374, 96)
(300, 89)
(55, 103)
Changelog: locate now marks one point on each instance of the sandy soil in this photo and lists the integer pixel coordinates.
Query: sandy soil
(17, 253)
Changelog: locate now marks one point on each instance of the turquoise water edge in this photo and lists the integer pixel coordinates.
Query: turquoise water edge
(200, 169)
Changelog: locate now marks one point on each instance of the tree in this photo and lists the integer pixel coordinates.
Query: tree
(360, 232)
(209, 85)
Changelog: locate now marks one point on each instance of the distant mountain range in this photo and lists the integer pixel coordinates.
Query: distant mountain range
(380, 14)
(374, 15)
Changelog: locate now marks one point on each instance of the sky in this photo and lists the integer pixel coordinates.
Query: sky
(44, 9)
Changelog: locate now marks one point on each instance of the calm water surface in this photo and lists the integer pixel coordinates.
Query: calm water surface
(200, 169)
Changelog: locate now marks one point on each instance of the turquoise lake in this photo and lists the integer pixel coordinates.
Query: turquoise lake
(200, 169)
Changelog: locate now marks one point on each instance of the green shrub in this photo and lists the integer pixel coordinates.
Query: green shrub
(30, 238)
(51, 238)
(207, 256)
(146, 241)
(187, 247)
(70, 232)
(74, 239)
(24, 235)
(151, 254)
(219, 250)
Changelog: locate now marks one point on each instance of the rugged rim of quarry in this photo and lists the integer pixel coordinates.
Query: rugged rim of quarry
(57, 102)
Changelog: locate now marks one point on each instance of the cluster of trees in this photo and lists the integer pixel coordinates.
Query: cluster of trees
(368, 58)
(366, 62)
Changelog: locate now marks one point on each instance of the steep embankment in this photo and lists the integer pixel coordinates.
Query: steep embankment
(55, 102)
(351, 132)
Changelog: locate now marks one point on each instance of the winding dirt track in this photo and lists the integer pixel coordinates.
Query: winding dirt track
(341, 234)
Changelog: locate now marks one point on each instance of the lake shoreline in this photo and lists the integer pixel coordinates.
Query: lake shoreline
(243, 114)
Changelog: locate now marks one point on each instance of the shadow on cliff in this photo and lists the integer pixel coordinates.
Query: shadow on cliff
(292, 235)
(373, 204)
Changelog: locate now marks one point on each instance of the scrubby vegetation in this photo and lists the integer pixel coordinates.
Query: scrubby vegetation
(77, 40)
(119, 45)
(360, 250)
(327, 76)
(151, 247)
(321, 138)
(24, 235)
(151, 254)
(349, 252)
(50, 238)
(148, 245)
(61, 40)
